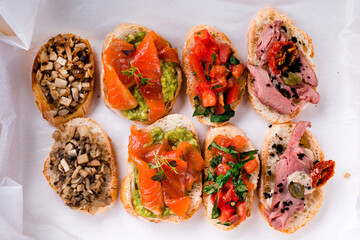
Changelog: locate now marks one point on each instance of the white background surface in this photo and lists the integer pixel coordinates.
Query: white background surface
(25, 140)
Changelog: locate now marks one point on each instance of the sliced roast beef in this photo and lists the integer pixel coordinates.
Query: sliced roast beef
(305, 71)
(302, 91)
(269, 35)
(284, 205)
(267, 93)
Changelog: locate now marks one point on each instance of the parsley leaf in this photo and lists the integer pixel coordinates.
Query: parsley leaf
(229, 113)
(240, 188)
(215, 213)
(233, 60)
(215, 161)
(225, 223)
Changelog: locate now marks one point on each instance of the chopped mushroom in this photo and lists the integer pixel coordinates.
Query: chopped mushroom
(83, 158)
(65, 165)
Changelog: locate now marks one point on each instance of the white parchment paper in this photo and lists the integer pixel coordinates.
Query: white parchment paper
(25, 138)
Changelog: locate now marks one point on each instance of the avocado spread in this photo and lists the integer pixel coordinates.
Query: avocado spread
(168, 79)
(175, 137)
(135, 39)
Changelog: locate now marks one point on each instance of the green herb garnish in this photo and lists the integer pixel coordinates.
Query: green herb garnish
(233, 60)
(160, 161)
(215, 213)
(215, 161)
(134, 71)
(229, 113)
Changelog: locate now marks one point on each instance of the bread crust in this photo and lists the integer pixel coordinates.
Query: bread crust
(313, 200)
(228, 130)
(167, 123)
(114, 183)
(43, 104)
(120, 32)
(220, 38)
(257, 24)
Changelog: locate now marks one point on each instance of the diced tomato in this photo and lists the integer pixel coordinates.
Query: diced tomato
(219, 109)
(197, 67)
(199, 49)
(230, 195)
(208, 98)
(119, 96)
(233, 94)
(241, 210)
(222, 169)
(250, 186)
(207, 39)
(224, 53)
(238, 142)
(251, 166)
(223, 140)
(218, 71)
(212, 57)
(225, 215)
(234, 218)
(237, 70)
(169, 54)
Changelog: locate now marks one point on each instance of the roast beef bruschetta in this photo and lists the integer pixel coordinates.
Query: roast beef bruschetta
(232, 172)
(215, 76)
(140, 75)
(293, 171)
(282, 80)
(164, 173)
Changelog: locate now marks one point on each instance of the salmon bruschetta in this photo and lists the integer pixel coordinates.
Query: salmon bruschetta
(141, 74)
(164, 173)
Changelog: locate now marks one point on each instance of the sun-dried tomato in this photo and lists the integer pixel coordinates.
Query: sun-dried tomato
(322, 172)
(281, 55)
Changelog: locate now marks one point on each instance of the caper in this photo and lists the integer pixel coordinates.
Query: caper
(296, 190)
(291, 79)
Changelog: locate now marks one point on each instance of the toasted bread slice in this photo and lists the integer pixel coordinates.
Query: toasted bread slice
(191, 79)
(121, 32)
(82, 167)
(280, 134)
(304, 43)
(230, 131)
(63, 78)
(166, 124)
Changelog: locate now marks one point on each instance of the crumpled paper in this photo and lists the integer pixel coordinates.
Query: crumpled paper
(17, 22)
(25, 137)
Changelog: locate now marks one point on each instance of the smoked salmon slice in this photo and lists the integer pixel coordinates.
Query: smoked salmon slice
(118, 95)
(146, 59)
(115, 57)
(169, 54)
(179, 205)
(150, 190)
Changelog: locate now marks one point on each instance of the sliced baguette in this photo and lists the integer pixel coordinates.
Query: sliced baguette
(121, 32)
(268, 163)
(230, 131)
(109, 188)
(257, 25)
(167, 123)
(43, 104)
(191, 79)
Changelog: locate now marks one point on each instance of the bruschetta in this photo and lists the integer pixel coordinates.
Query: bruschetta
(282, 80)
(63, 78)
(231, 175)
(82, 167)
(215, 77)
(164, 171)
(140, 75)
(293, 171)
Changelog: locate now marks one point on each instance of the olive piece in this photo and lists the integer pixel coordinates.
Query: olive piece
(296, 190)
(291, 79)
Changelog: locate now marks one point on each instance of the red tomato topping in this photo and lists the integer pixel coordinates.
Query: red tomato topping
(250, 166)
(237, 70)
(322, 172)
(233, 94)
(281, 55)
(208, 98)
(224, 53)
